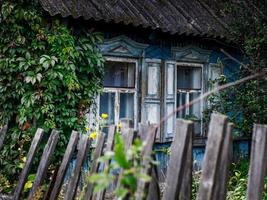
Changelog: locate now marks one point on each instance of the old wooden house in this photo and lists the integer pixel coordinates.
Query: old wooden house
(160, 54)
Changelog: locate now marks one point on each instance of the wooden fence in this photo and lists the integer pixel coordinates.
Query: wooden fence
(179, 174)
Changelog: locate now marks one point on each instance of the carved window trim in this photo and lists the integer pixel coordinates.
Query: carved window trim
(119, 90)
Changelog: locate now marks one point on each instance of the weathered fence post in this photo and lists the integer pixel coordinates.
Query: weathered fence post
(83, 145)
(109, 147)
(3, 132)
(146, 157)
(258, 162)
(65, 162)
(179, 170)
(44, 163)
(211, 162)
(225, 161)
(94, 166)
(24, 174)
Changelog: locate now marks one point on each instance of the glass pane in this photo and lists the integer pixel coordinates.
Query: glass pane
(189, 78)
(119, 74)
(194, 110)
(127, 105)
(107, 101)
(181, 100)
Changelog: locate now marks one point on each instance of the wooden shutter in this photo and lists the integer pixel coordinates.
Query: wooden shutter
(215, 70)
(169, 99)
(151, 92)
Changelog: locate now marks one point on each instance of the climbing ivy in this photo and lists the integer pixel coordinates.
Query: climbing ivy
(49, 77)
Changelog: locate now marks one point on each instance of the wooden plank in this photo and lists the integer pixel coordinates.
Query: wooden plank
(178, 160)
(64, 165)
(95, 165)
(154, 190)
(225, 161)
(258, 162)
(51, 184)
(30, 157)
(126, 123)
(44, 163)
(128, 134)
(109, 147)
(211, 162)
(142, 131)
(84, 143)
(146, 157)
(3, 132)
(186, 189)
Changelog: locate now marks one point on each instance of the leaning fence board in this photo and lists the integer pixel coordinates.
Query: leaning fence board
(186, 189)
(3, 132)
(84, 143)
(210, 166)
(94, 167)
(109, 147)
(51, 184)
(178, 160)
(258, 162)
(44, 163)
(146, 157)
(30, 157)
(225, 160)
(154, 190)
(65, 162)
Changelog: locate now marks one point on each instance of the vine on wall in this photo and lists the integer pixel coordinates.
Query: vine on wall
(49, 77)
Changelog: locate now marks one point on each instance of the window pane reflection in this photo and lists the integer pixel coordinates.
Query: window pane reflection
(119, 74)
(189, 78)
(127, 105)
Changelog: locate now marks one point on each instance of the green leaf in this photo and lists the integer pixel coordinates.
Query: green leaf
(119, 150)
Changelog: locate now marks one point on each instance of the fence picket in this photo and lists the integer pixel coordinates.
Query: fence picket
(32, 151)
(109, 147)
(83, 145)
(65, 162)
(225, 160)
(44, 163)
(211, 160)
(258, 162)
(94, 167)
(146, 157)
(178, 163)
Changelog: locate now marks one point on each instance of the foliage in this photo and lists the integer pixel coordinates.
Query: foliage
(246, 103)
(49, 77)
(128, 163)
(237, 184)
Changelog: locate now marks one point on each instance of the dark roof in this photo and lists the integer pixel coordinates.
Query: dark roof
(190, 17)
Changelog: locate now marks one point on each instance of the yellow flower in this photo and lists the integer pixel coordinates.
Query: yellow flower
(104, 116)
(86, 129)
(119, 125)
(93, 135)
(24, 159)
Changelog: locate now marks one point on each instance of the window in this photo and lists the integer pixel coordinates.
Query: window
(189, 87)
(119, 97)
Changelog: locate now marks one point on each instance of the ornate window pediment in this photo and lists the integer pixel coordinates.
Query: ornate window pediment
(122, 46)
(191, 54)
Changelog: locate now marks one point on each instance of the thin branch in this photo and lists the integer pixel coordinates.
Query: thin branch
(237, 61)
(205, 95)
